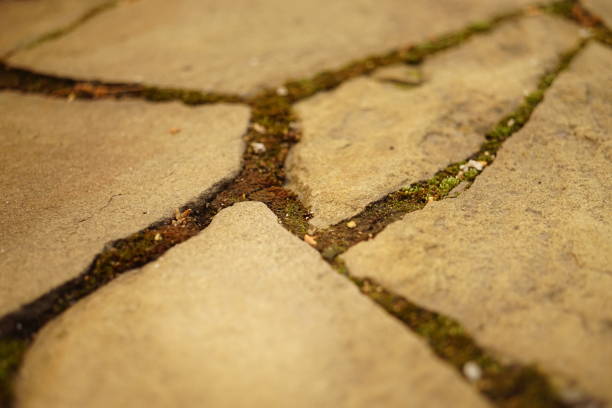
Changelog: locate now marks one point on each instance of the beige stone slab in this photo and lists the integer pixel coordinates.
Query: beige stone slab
(23, 21)
(601, 8)
(369, 138)
(524, 257)
(241, 45)
(74, 175)
(242, 315)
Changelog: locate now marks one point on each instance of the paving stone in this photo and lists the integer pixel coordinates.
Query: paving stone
(601, 8)
(75, 175)
(244, 314)
(240, 45)
(524, 257)
(24, 21)
(369, 138)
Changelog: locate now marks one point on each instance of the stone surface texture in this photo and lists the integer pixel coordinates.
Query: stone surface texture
(24, 21)
(243, 315)
(524, 258)
(369, 138)
(601, 8)
(75, 175)
(214, 45)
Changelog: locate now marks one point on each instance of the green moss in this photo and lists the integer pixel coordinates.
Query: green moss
(506, 385)
(11, 352)
(188, 97)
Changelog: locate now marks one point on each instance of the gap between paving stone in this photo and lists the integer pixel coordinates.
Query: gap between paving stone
(273, 126)
(60, 32)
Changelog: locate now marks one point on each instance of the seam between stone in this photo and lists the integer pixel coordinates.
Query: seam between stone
(62, 31)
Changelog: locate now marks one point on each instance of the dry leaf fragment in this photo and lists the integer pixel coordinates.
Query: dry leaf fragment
(310, 240)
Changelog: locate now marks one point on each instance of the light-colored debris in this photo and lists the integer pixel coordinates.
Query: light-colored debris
(158, 237)
(181, 218)
(258, 148)
(258, 128)
(282, 91)
(175, 130)
(310, 240)
(351, 224)
(473, 164)
(472, 371)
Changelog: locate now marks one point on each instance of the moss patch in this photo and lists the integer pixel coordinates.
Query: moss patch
(11, 352)
(505, 385)
(376, 216)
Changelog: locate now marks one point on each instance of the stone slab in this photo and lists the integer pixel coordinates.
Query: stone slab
(74, 175)
(239, 46)
(242, 315)
(24, 21)
(524, 257)
(368, 138)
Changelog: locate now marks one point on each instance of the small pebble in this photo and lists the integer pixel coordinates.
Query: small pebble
(174, 131)
(511, 122)
(310, 240)
(472, 371)
(258, 147)
(478, 165)
(259, 128)
(584, 33)
(282, 91)
(351, 224)
(158, 237)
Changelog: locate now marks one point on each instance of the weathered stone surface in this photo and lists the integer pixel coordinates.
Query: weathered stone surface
(369, 138)
(602, 8)
(76, 175)
(524, 257)
(240, 45)
(244, 314)
(24, 21)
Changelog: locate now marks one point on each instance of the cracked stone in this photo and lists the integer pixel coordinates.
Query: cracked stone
(75, 175)
(524, 257)
(601, 8)
(22, 22)
(161, 42)
(368, 138)
(244, 314)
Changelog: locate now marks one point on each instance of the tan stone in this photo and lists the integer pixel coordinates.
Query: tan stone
(22, 22)
(524, 257)
(240, 45)
(243, 315)
(74, 175)
(369, 138)
(601, 8)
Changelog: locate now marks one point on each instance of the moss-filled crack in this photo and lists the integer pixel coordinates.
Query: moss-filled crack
(505, 385)
(576, 12)
(272, 132)
(26, 81)
(338, 238)
(60, 32)
(508, 385)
